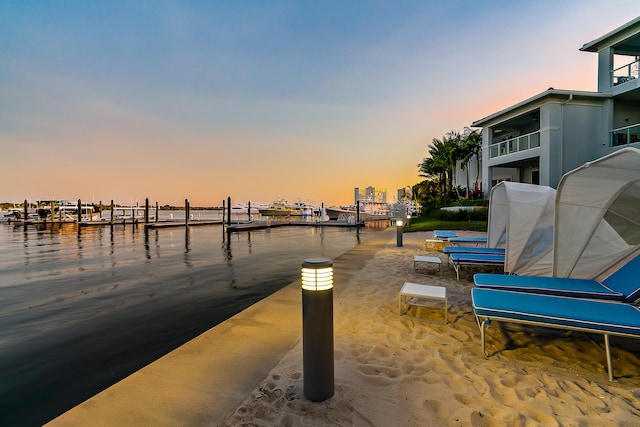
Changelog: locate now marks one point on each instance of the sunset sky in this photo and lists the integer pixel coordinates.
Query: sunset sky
(202, 100)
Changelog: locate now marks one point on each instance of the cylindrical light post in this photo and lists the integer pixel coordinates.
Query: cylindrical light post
(317, 328)
(399, 232)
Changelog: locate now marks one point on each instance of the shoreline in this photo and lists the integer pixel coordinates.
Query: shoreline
(389, 370)
(395, 371)
(205, 380)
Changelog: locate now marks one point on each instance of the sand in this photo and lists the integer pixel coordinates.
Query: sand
(393, 371)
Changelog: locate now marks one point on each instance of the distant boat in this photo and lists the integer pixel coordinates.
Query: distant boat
(368, 210)
(15, 214)
(303, 209)
(242, 208)
(65, 210)
(277, 208)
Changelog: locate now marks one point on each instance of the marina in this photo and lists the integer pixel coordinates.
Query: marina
(239, 217)
(84, 307)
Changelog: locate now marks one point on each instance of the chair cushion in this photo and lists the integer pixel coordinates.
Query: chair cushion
(551, 310)
(472, 250)
(626, 280)
(469, 258)
(576, 288)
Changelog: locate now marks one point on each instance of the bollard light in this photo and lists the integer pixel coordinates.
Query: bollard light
(317, 274)
(399, 232)
(317, 328)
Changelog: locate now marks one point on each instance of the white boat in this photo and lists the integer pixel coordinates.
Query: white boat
(66, 210)
(278, 208)
(15, 214)
(370, 210)
(243, 208)
(303, 209)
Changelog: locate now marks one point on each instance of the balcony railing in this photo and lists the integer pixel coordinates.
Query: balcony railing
(514, 145)
(626, 73)
(625, 135)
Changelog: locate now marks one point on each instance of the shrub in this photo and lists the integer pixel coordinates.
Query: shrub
(477, 214)
(469, 202)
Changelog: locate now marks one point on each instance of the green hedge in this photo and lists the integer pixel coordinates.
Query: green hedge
(473, 202)
(477, 214)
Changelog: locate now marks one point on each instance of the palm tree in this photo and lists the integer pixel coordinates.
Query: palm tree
(444, 155)
(452, 151)
(433, 168)
(470, 146)
(426, 193)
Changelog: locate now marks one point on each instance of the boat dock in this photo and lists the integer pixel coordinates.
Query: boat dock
(234, 227)
(142, 216)
(258, 225)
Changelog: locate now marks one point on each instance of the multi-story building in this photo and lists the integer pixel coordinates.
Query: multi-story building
(404, 195)
(541, 138)
(370, 194)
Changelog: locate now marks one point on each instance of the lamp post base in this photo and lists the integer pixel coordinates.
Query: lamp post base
(317, 344)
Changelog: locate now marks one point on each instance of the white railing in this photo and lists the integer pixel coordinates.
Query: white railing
(626, 73)
(625, 135)
(514, 145)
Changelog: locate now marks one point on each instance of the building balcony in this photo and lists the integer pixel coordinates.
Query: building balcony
(625, 135)
(626, 73)
(514, 145)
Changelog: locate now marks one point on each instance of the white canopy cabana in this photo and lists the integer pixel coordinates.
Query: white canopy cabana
(521, 219)
(597, 223)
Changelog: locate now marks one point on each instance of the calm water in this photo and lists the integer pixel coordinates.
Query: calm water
(81, 310)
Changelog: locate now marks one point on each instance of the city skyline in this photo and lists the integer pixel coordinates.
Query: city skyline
(259, 100)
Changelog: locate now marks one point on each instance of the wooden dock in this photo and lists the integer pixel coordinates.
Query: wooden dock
(258, 225)
(255, 225)
(177, 223)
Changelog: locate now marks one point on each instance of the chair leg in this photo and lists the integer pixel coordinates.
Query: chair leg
(483, 327)
(609, 362)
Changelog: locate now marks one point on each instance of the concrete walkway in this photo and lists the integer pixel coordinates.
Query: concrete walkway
(203, 382)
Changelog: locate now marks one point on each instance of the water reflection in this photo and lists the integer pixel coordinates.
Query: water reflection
(228, 257)
(187, 237)
(104, 301)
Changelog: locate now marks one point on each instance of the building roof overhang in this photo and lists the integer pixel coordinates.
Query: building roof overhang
(624, 39)
(549, 94)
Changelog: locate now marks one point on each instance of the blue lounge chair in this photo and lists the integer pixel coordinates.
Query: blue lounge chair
(468, 240)
(444, 234)
(472, 250)
(458, 260)
(575, 288)
(576, 314)
(621, 285)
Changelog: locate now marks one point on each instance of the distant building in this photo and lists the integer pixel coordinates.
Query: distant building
(405, 198)
(404, 195)
(370, 194)
(541, 138)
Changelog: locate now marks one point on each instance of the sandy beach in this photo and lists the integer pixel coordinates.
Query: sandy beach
(394, 371)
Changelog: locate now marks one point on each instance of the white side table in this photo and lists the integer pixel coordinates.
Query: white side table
(427, 259)
(418, 295)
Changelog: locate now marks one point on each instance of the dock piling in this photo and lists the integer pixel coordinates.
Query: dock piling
(146, 211)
